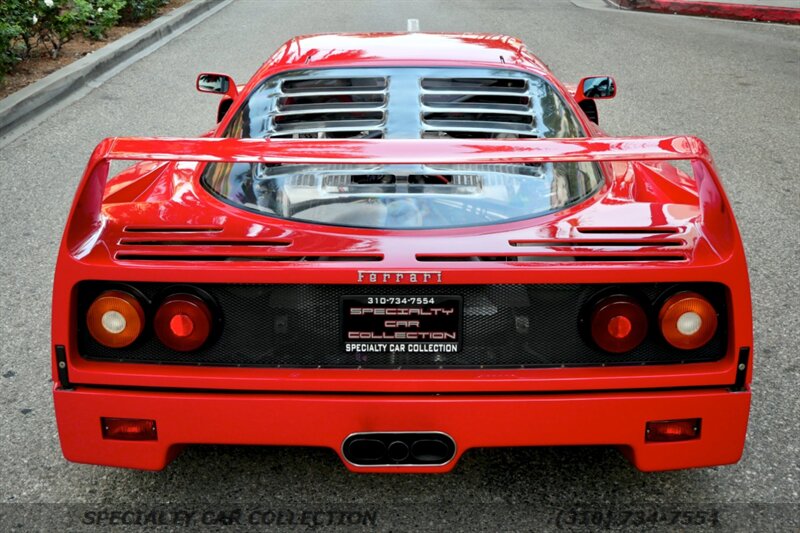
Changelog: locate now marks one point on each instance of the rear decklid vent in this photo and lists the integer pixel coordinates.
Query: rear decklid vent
(477, 108)
(605, 250)
(322, 108)
(638, 232)
(607, 245)
(200, 244)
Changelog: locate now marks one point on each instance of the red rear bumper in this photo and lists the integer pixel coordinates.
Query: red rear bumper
(473, 421)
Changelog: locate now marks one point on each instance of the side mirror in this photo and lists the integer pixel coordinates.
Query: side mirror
(596, 88)
(208, 82)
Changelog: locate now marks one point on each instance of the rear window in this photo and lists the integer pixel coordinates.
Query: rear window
(404, 196)
(404, 103)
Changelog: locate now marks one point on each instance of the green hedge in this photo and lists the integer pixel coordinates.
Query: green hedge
(28, 25)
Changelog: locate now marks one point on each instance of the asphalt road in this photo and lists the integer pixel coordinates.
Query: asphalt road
(733, 84)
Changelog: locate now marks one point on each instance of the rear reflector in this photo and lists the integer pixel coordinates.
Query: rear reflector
(672, 430)
(128, 429)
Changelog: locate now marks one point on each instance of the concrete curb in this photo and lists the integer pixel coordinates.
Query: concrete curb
(36, 98)
(732, 11)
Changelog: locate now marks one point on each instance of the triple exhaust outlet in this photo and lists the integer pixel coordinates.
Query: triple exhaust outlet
(399, 449)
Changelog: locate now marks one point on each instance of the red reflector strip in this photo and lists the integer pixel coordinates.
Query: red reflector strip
(672, 430)
(128, 429)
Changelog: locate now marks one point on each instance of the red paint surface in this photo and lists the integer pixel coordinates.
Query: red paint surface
(617, 419)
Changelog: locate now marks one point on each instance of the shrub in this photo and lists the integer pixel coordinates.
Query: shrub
(139, 10)
(48, 23)
(9, 49)
(20, 18)
(29, 24)
(98, 16)
(58, 22)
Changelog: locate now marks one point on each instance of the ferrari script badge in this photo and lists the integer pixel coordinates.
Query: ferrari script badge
(429, 276)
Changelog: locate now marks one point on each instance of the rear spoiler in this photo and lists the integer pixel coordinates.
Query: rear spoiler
(86, 209)
(400, 151)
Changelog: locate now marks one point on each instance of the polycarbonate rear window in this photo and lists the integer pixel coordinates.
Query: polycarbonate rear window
(404, 196)
(397, 103)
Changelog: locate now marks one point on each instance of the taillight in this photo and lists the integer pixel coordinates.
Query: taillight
(688, 321)
(183, 322)
(115, 319)
(618, 324)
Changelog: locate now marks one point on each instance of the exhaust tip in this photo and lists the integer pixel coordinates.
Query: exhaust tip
(421, 448)
(367, 449)
(397, 451)
(429, 451)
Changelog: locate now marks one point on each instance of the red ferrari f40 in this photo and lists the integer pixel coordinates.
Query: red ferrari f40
(401, 247)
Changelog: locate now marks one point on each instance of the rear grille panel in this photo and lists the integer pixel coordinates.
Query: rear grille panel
(504, 326)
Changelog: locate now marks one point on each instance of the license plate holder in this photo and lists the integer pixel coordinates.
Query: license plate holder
(402, 324)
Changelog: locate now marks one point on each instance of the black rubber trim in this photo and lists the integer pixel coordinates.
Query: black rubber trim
(741, 369)
(63, 367)
(589, 107)
(411, 394)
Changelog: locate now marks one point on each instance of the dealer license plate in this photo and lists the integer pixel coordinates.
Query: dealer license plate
(401, 324)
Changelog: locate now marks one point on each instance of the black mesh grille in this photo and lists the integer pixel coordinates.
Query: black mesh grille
(504, 326)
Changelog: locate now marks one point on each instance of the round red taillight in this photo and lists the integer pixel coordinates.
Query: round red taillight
(183, 322)
(115, 319)
(688, 321)
(618, 324)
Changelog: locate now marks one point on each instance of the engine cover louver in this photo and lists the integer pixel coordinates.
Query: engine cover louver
(352, 107)
(402, 103)
(477, 108)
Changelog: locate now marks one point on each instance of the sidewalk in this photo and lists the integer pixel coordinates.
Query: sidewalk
(781, 11)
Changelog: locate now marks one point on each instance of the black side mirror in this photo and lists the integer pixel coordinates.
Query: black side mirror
(597, 87)
(208, 82)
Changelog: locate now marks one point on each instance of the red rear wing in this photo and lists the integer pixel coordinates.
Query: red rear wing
(88, 200)
(401, 151)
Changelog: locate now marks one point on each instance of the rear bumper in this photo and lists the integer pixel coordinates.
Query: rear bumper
(473, 421)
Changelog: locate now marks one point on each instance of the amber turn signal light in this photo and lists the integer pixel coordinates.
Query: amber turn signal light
(672, 430)
(688, 321)
(183, 322)
(128, 429)
(618, 324)
(115, 319)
